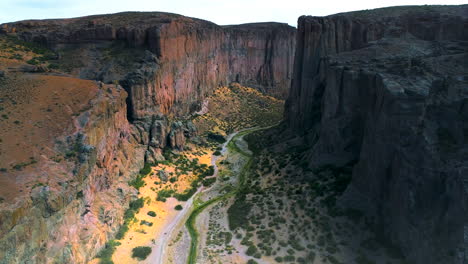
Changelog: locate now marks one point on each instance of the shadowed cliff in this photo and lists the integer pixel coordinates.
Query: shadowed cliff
(387, 88)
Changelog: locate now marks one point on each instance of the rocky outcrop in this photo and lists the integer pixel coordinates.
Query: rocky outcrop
(70, 216)
(167, 63)
(159, 132)
(387, 88)
(185, 58)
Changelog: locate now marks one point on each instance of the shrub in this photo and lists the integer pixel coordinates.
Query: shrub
(208, 182)
(144, 222)
(33, 61)
(141, 253)
(251, 250)
(53, 66)
(163, 194)
(208, 172)
(217, 153)
(136, 204)
(122, 231)
(129, 216)
(152, 213)
(138, 182)
(178, 207)
(279, 259)
(251, 261)
(187, 193)
(146, 169)
(216, 137)
(106, 253)
(238, 212)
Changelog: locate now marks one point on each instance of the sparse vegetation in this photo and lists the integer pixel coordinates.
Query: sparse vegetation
(141, 253)
(152, 213)
(106, 253)
(138, 182)
(129, 216)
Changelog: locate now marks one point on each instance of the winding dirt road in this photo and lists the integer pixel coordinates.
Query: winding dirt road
(159, 247)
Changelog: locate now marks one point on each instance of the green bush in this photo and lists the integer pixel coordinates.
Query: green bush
(141, 253)
(178, 207)
(279, 259)
(122, 231)
(251, 250)
(146, 169)
(217, 153)
(138, 182)
(137, 204)
(188, 193)
(33, 61)
(129, 215)
(105, 254)
(54, 66)
(208, 172)
(238, 212)
(144, 222)
(163, 194)
(208, 182)
(216, 137)
(251, 261)
(152, 213)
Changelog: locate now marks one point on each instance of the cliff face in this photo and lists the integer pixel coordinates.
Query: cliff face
(65, 184)
(69, 199)
(387, 88)
(186, 58)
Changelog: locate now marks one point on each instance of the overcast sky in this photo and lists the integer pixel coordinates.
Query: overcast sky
(221, 12)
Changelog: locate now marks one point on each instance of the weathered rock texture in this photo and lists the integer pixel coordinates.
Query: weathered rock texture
(388, 88)
(64, 208)
(186, 58)
(71, 201)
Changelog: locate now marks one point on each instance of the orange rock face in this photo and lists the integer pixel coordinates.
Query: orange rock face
(68, 149)
(192, 57)
(66, 156)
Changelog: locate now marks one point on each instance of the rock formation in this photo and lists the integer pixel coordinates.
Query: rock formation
(387, 88)
(65, 206)
(185, 58)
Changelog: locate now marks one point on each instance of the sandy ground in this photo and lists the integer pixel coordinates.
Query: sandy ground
(157, 235)
(169, 228)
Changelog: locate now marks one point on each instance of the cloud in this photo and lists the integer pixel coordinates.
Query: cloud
(40, 4)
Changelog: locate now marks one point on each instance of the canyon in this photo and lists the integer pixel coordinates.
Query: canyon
(167, 64)
(366, 166)
(387, 89)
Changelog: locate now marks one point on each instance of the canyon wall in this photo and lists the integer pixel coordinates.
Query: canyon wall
(64, 207)
(387, 88)
(185, 58)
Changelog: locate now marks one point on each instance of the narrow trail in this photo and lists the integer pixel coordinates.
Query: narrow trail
(190, 224)
(160, 245)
